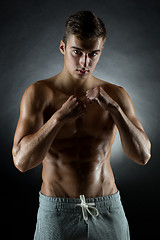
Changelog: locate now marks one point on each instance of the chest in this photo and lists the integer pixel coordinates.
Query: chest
(96, 122)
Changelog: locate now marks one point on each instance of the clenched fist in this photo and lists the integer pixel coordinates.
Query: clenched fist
(97, 94)
(72, 108)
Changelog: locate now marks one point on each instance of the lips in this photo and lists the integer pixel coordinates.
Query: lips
(82, 71)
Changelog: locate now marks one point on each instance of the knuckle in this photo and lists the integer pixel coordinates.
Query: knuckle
(71, 97)
(75, 99)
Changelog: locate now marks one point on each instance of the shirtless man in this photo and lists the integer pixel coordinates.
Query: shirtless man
(68, 123)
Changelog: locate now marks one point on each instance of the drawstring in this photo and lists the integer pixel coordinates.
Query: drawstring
(85, 208)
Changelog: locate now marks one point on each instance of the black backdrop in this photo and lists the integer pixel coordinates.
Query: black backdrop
(30, 35)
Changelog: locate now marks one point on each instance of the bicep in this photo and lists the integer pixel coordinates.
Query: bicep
(128, 108)
(31, 116)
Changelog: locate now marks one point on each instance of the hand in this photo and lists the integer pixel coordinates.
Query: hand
(93, 94)
(98, 95)
(72, 108)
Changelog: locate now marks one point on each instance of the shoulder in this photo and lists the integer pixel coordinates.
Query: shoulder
(37, 94)
(120, 95)
(107, 85)
(124, 100)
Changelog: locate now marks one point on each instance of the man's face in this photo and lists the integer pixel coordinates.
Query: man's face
(81, 56)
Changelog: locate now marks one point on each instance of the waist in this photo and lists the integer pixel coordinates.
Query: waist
(73, 188)
(70, 204)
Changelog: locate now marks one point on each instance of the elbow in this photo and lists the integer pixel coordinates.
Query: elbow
(18, 161)
(145, 155)
(18, 164)
(20, 167)
(145, 159)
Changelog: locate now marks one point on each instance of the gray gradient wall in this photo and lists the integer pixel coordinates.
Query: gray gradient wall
(30, 35)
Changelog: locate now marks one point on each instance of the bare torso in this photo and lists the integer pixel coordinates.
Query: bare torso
(78, 161)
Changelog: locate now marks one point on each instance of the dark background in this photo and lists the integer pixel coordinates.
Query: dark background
(30, 35)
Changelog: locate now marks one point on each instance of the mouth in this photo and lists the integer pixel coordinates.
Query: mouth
(80, 71)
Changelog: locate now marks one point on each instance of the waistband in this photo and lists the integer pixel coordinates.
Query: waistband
(70, 204)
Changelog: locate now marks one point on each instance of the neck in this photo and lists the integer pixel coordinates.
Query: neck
(71, 85)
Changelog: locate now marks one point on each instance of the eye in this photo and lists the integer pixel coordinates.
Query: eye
(93, 54)
(77, 52)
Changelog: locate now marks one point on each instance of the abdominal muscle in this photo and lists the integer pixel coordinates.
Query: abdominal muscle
(70, 177)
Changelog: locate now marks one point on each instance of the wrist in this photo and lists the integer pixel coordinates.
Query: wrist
(108, 103)
(113, 107)
(60, 118)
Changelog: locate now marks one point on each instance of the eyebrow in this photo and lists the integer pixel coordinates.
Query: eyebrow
(82, 49)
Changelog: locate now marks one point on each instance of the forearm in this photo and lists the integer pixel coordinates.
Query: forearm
(34, 147)
(135, 143)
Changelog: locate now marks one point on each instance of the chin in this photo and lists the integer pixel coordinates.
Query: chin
(79, 76)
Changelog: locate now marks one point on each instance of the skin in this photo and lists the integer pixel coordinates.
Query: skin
(69, 122)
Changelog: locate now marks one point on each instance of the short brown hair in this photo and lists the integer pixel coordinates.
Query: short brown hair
(85, 25)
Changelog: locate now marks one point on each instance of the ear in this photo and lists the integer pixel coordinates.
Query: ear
(62, 47)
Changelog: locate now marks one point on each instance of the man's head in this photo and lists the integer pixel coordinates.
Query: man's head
(82, 43)
(85, 25)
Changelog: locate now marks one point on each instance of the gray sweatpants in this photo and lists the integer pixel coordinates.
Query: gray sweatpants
(100, 218)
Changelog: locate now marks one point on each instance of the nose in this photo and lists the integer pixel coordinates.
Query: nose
(84, 60)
